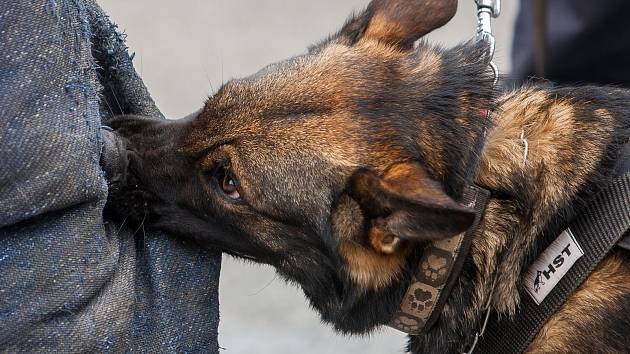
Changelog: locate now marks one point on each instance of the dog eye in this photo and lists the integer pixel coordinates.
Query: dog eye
(228, 183)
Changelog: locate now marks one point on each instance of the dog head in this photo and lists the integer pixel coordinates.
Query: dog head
(335, 166)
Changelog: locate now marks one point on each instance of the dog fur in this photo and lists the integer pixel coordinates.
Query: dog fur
(350, 158)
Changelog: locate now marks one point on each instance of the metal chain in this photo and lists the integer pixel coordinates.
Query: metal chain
(486, 11)
(486, 310)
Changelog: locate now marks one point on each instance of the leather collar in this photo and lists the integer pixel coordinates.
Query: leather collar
(437, 272)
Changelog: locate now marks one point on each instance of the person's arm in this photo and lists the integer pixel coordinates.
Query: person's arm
(75, 279)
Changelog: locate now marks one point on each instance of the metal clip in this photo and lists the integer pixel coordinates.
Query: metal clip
(486, 11)
(493, 5)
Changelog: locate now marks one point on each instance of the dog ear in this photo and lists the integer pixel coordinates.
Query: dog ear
(398, 22)
(406, 204)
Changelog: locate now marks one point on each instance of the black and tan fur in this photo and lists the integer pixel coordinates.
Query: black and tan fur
(350, 158)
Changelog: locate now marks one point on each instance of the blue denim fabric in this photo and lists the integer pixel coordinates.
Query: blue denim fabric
(70, 279)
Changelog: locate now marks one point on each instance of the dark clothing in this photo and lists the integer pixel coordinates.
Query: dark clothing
(71, 280)
(586, 42)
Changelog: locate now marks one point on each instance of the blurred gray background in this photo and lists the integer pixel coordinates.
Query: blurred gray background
(184, 51)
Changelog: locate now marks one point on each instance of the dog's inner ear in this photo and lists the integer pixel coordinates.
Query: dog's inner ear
(399, 22)
(406, 204)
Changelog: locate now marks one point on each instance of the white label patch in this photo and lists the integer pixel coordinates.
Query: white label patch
(545, 273)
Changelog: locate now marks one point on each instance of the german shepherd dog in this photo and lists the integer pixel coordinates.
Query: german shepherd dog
(339, 166)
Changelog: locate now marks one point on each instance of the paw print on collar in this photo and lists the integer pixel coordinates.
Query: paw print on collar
(435, 267)
(421, 300)
(407, 323)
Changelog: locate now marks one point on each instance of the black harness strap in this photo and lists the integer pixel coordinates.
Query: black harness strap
(602, 224)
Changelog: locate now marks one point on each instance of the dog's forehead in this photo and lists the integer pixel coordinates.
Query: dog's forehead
(335, 77)
(335, 80)
(330, 103)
